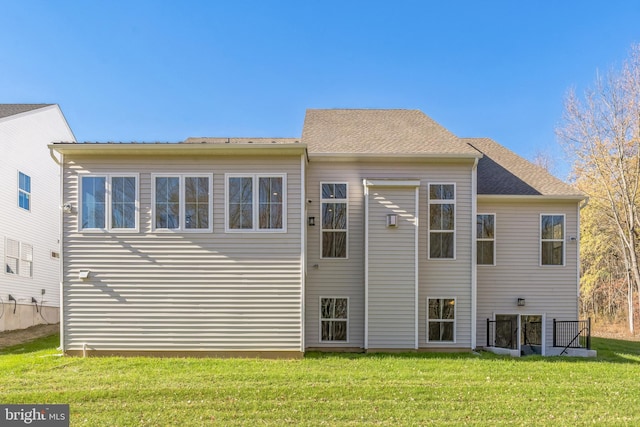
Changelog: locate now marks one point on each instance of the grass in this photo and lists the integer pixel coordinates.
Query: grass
(330, 389)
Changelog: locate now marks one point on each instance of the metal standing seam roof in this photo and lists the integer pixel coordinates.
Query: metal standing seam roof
(381, 132)
(7, 110)
(502, 172)
(220, 140)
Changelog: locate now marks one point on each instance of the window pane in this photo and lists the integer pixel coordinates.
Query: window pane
(334, 191)
(441, 192)
(441, 308)
(485, 226)
(327, 307)
(334, 244)
(123, 202)
(485, 252)
(441, 331)
(93, 202)
(552, 253)
(552, 227)
(241, 203)
(196, 202)
(341, 308)
(441, 217)
(334, 216)
(270, 208)
(24, 183)
(167, 202)
(441, 245)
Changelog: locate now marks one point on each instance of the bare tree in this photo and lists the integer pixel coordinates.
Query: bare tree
(601, 132)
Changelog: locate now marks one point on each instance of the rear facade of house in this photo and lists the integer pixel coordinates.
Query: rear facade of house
(378, 230)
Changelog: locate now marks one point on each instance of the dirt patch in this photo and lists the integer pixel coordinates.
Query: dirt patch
(617, 331)
(21, 336)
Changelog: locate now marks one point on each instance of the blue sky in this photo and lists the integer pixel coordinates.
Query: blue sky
(166, 70)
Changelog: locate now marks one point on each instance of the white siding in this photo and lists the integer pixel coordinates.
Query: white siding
(23, 147)
(164, 291)
(548, 290)
(391, 268)
(340, 277)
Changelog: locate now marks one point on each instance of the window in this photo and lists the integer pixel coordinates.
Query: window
(441, 319)
(334, 319)
(24, 191)
(334, 220)
(109, 202)
(183, 202)
(552, 239)
(485, 234)
(256, 202)
(18, 258)
(442, 199)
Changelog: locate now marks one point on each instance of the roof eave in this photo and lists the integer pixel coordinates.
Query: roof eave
(172, 148)
(350, 156)
(530, 197)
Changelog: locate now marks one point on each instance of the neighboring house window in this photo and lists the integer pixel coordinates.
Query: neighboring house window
(441, 319)
(18, 258)
(485, 229)
(183, 202)
(442, 202)
(256, 202)
(109, 202)
(334, 220)
(24, 191)
(552, 239)
(334, 319)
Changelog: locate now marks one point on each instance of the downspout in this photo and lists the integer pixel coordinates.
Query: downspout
(580, 207)
(303, 248)
(60, 162)
(366, 265)
(474, 250)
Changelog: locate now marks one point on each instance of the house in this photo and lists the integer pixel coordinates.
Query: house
(378, 230)
(30, 214)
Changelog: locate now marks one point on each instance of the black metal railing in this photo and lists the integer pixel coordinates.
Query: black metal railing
(572, 334)
(502, 333)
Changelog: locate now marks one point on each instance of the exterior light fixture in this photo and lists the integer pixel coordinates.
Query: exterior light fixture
(311, 221)
(84, 274)
(521, 302)
(392, 220)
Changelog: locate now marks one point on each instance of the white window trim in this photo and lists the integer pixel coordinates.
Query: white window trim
(255, 202)
(495, 236)
(563, 240)
(346, 231)
(455, 219)
(320, 319)
(25, 192)
(182, 209)
(107, 223)
(454, 321)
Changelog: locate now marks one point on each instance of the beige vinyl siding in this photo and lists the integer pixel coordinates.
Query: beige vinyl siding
(391, 268)
(548, 290)
(172, 291)
(448, 278)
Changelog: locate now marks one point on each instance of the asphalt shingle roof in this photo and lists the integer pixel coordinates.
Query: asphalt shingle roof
(382, 132)
(7, 110)
(502, 172)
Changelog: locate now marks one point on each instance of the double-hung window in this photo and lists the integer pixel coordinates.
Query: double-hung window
(256, 202)
(442, 221)
(109, 202)
(486, 237)
(183, 202)
(334, 225)
(18, 258)
(24, 191)
(441, 319)
(552, 239)
(334, 319)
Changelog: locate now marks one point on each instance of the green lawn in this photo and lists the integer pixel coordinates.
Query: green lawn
(330, 389)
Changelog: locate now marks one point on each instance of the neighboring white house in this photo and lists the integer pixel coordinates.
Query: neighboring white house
(378, 230)
(30, 214)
